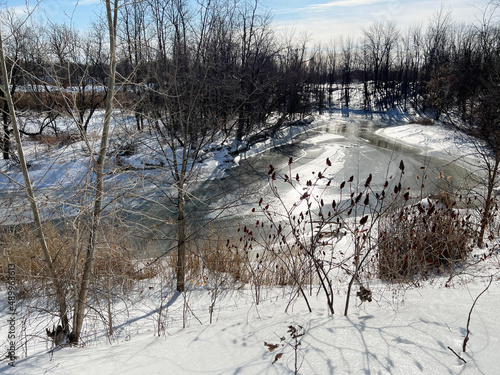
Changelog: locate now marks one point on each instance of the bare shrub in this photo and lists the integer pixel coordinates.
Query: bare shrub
(270, 260)
(415, 239)
(297, 333)
(300, 238)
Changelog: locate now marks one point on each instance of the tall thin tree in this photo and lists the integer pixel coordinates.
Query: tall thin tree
(5, 88)
(112, 7)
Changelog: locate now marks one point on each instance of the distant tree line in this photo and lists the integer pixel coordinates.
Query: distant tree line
(223, 65)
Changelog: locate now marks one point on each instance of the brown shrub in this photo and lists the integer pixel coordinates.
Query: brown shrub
(44, 100)
(426, 236)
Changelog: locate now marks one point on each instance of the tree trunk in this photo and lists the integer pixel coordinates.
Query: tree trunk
(492, 177)
(6, 134)
(112, 16)
(6, 137)
(181, 239)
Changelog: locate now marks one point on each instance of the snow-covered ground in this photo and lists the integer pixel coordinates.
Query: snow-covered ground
(402, 331)
(435, 140)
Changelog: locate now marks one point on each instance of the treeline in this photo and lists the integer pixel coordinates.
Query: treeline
(193, 70)
(446, 69)
(183, 68)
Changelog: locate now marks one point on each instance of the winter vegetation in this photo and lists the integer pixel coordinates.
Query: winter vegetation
(180, 193)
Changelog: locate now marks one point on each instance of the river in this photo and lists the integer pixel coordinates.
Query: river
(354, 149)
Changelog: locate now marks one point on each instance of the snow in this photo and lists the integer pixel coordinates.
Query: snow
(405, 330)
(282, 137)
(430, 139)
(398, 333)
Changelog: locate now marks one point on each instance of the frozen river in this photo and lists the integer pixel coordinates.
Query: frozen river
(355, 149)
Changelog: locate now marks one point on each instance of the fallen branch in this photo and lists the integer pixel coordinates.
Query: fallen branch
(454, 352)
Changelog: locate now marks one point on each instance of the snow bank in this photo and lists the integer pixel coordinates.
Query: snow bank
(431, 140)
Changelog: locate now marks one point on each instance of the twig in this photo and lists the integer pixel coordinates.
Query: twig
(192, 313)
(464, 345)
(454, 352)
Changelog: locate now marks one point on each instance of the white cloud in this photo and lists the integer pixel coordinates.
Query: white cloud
(324, 22)
(88, 2)
(343, 3)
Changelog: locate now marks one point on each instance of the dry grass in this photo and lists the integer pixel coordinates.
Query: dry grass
(114, 264)
(20, 247)
(116, 269)
(263, 267)
(212, 257)
(61, 139)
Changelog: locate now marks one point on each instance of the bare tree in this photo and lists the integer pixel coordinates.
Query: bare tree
(136, 61)
(291, 92)
(257, 51)
(380, 41)
(59, 291)
(347, 63)
(75, 72)
(194, 92)
(15, 58)
(436, 58)
(112, 7)
(409, 60)
(474, 81)
(332, 57)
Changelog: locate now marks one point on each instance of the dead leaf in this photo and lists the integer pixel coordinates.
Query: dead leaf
(271, 347)
(278, 356)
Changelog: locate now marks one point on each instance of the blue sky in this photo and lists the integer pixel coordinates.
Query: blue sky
(59, 11)
(322, 20)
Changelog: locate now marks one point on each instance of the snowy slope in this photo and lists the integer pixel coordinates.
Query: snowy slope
(398, 334)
